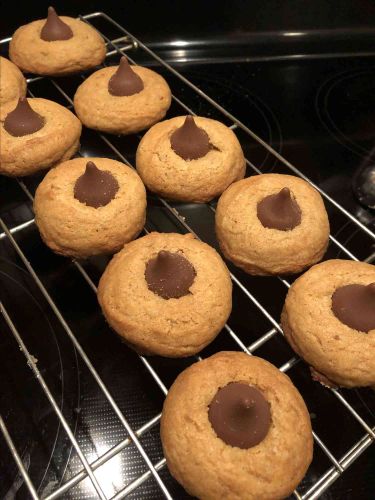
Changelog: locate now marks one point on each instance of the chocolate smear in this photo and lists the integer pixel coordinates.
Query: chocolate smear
(95, 188)
(279, 211)
(240, 415)
(23, 120)
(169, 275)
(54, 28)
(354, 305)
(125, 81)
(189, 141)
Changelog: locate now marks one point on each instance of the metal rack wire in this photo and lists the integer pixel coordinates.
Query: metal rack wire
(127, 43)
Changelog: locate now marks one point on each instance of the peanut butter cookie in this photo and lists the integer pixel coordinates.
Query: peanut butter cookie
(12, 82)
(36, 134)
(329, 320)
(234, 427)
(190, 159)
(90, 206)
(272, 224)
(166, 294)
(56, 46)
(122, 99)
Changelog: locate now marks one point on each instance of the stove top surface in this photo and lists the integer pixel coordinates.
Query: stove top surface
(319, 113)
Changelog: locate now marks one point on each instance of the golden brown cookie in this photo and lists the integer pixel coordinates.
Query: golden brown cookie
(122, 99)
(36, 134)
(333, 329)
(272, 224)
(90, 206)
(265, 444)
(166, 294)
(56, 46)
(190, 159)
(12, 82)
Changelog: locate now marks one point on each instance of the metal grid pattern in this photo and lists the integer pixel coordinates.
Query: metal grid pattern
(118, 46)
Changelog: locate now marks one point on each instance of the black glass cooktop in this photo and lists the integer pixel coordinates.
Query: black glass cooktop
(317, 112)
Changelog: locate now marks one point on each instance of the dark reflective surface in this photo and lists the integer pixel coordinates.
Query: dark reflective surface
(318, 114)
(169, 20)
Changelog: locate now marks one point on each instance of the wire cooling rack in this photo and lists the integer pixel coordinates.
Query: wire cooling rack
(118, 42)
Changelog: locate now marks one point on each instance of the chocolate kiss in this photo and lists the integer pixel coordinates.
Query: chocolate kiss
(189, 141)
(354, 305)
(240, 415)
(279, 211)
(95, 188)
(54, 28)
(125, 81)
(23, 120)
(169, 275)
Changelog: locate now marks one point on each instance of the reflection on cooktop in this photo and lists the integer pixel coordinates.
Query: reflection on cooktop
(33, 424)
(345, 104)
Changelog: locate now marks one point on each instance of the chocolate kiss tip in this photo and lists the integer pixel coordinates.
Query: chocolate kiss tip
(189, 124)
(285, 192)
(189, 120)
(23, 101)
(51, 13)
(124, 64)
(163, 254)
(91, 167)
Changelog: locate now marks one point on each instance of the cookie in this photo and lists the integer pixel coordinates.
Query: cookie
(329, 320)
(272, 224)
(36, 134)
(234, 427)
(90, 206)
(166, 294)
(56, 46)
(122, 99)
(190, 159)
(12, 82)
